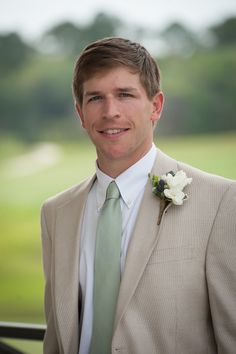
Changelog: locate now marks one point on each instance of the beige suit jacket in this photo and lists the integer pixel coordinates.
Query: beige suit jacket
(178, 290)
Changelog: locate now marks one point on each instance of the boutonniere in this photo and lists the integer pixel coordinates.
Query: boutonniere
(169, 188)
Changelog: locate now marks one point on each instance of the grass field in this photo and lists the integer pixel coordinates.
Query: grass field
(31, 173)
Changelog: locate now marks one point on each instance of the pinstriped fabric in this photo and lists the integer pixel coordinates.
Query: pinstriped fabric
(185, 299)
(61, 217)
(178, 288)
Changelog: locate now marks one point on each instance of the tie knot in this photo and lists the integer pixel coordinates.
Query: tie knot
(112, 191)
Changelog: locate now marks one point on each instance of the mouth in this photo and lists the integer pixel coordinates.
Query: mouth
(113, 131)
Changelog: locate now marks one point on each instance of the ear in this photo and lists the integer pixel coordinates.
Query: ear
(158, 103)
(80, 113)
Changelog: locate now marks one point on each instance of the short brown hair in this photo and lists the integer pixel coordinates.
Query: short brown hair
(112, 52)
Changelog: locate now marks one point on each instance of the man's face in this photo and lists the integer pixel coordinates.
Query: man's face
(118, 116)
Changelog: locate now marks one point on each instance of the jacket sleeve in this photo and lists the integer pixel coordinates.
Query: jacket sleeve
(51, 345)
(221, 273)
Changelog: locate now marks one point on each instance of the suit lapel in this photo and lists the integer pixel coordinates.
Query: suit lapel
(67, 228)
(145, 236)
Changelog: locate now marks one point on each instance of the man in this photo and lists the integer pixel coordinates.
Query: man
(177, 263)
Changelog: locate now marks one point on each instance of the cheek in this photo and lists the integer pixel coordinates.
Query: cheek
(91, 125)
(130, 111)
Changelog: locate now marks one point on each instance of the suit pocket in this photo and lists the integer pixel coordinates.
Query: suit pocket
(164, 255)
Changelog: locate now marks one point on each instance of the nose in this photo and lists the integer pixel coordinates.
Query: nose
(110, 108)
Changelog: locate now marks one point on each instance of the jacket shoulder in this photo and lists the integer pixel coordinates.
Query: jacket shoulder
(205, 177)
(208, 186)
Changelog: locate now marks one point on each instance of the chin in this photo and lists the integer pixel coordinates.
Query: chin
(114, 154)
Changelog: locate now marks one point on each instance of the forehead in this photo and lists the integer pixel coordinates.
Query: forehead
(114, 77)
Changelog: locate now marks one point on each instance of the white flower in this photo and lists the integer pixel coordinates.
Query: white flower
(177, 182)
(169, 188)
(176, 195)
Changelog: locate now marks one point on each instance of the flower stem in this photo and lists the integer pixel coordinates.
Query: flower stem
(163, 205)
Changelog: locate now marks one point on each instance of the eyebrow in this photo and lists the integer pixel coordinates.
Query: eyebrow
(128, 88)
(119, 89)
(92, 93)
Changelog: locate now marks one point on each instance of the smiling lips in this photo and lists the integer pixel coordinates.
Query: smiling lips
(114, 131)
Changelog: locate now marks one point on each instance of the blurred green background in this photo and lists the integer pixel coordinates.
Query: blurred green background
(43, 149)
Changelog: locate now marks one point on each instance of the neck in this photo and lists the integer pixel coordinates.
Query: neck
(114, 167)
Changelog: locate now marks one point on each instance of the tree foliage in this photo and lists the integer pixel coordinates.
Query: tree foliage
(226, 32)
(14, 52)
(180, 40)
(69, 39)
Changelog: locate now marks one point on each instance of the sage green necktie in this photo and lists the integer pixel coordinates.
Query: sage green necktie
(106, 271)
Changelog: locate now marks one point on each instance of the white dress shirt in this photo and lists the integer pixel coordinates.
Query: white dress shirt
(131, 184)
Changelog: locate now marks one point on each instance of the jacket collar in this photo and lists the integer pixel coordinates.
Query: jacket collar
(66, 264)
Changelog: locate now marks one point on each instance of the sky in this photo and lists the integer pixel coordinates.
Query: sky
(31, 18)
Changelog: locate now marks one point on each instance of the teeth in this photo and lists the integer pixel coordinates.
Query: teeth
(113, 131)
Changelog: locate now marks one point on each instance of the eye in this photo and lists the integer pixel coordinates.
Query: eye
(125, 94)
(94, 98)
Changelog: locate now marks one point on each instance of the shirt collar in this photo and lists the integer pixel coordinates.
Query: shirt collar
(129, 182)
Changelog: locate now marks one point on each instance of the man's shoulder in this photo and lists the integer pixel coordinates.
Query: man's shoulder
(198, 175)
(206, 184)
(203, 176)
(69, 194)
